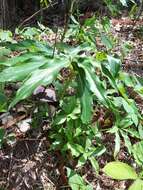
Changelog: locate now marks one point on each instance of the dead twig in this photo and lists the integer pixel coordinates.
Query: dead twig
(9, 171)
(36, 13)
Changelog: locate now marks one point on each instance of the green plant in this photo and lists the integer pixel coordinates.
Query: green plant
(96, 80)
(121, 171)
(76, 182)
(6, 36)
(138, 151)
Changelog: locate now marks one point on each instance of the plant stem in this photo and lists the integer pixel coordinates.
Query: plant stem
(55, 43)
(68, 15)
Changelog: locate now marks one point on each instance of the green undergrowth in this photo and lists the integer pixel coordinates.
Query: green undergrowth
(94, 98)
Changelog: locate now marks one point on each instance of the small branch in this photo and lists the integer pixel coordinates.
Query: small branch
(35, 14)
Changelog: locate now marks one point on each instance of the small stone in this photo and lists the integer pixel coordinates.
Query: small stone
(24, 125)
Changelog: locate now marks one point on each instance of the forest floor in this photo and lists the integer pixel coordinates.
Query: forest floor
(26, 163)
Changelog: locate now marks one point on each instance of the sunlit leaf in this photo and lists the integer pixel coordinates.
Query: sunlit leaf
(138, 152)
(76, 149)
(95, 84)
(119, 170)
(137, 185)
(85, 98)
(76, 182)
(127, 141)
(39, 77)
(94, 164)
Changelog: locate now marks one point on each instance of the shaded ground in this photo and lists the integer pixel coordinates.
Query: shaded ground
(29, 165)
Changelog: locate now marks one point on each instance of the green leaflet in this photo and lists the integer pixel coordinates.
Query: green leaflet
(29, 46)
(94, 164)
(39, 77)
(19, 72)
(138, 152)
(85, 97)
(94, 83)
(119, 170)
(114, 65)
(131, 108)
(17, 60)
(137, 185)
(76, 149)
(106, 41)
(109, 75)
(76, 182)
(127, 141)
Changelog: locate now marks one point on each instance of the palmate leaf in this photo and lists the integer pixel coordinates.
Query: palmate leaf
(94, 83)
(21, 59)
(39, 77)
(20, 66)
(19, 72)
(30, 46)
(24, 66)
(20, 46)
